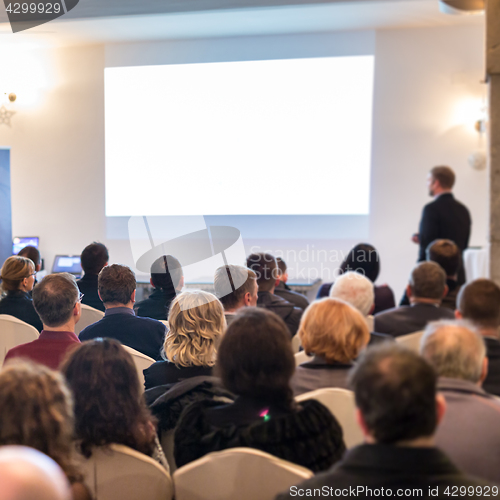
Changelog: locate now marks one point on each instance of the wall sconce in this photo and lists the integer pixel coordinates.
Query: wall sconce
(6, 114)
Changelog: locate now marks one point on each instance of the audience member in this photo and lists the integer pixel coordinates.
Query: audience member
(470, 430)
(36, 410)
(426, 289)
(117, 291)
(265, 267)
(93, 258)
(334, 333)
(235, 297)
(167, 280)
(18, 277)
(27, 474)
(57, 301)
(109, 407)
(284, 291)
(32, 253)
(255, 362)
(398, 411)
(479, 303)
(364, 259)
(196, 323)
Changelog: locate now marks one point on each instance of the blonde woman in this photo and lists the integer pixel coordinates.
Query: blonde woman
(334, 333)
(196, 320)
(18, 277)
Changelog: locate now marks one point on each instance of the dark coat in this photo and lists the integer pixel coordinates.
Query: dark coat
(449, 302)
(492, 381)
(285, 310)
(156, 305)
(88, 286)
(19, 304)
(164, 373)
(297, 299)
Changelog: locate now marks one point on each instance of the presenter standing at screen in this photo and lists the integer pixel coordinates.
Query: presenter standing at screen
(444, 217)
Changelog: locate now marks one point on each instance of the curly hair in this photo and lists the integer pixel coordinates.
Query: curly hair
(109, 407)
(36, 410)
(197, 322)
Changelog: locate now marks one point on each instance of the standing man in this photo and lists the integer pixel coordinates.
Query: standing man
(445, 217)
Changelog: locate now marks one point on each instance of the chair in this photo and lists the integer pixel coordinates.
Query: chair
(302, 357)
(117, 471)
(14, 332)
(295, 343)
(411, 340)
(237, 473)
(167, 444)
(342, 406)
(141, 362)
(89, 316)
(370, 321)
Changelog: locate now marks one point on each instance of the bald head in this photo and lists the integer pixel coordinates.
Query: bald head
(454, 351)
(27, 474)
(355, 289)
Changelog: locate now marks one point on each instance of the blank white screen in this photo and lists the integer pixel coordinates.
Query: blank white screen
(273, 137)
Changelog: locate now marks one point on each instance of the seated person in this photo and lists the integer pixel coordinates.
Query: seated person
(284, 291)
(167, 280)
(93, 258)
(116, 287)
(57, 300)
(447, 255)
(33, 254)
(426, 289)
(18, 277)
(334, 333)
(266, 268)
(255, 362)
(235, 297)
(364, 259)
(196, 323)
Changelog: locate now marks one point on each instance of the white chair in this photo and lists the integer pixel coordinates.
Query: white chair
(14, 332)
(370, 321)
(89, 317)
(167, 444)
(237, 473)
(302, 357)
(119, 472)
(411, 340)
(295, 343)
(343, 407)
(141, 362)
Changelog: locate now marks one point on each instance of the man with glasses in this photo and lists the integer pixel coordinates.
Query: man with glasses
(57, 301)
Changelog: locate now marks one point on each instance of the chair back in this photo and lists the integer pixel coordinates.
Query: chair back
(237, 473)
(119, 472)
(411, 340)
(167, 443)
(141, 362)
(302, 357)
(295, 343)
(370, 321)
(89, 316)
(14, 332)
(341, 404)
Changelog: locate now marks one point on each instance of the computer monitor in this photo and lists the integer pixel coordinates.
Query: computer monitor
(19, 242)
(67, 264)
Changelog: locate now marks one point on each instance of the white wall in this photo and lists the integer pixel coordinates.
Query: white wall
(421, 75)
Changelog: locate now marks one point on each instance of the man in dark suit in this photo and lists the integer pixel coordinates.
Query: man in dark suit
(445, 217)
(117, 291)
(398, 410)
(479, 303)
(284, 291)
(426, 289)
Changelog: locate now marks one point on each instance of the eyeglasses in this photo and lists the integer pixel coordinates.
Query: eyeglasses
(32, 274)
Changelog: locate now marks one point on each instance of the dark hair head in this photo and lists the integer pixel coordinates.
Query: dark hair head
(232, 283)
(427, 281)
(444, 175)
(93, 258)
(266, 269)
(166, 273)
(14, 270)
(446, 254)
(363, 259)
(32, 253)
(281, 265)
(395, 391)
(55, 297)
(109, 407)
(479, 302)
(116, 284)
(255, 356)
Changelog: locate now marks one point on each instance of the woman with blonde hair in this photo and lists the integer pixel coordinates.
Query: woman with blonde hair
(18, 277)
(334, 333)
(196, 320)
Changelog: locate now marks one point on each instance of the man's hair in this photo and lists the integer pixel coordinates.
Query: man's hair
(356, 289)
(281, 266)
(454, 350)
(55, 297)
(14, 270)
(93, 258)
(444, 175)
(116, 284)
(32, 253)
(427, 281)
(166, 273)
(479, 302)
(266, 269)
(395, 391)
(445, 253)
(225, 288)
(362, 259)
